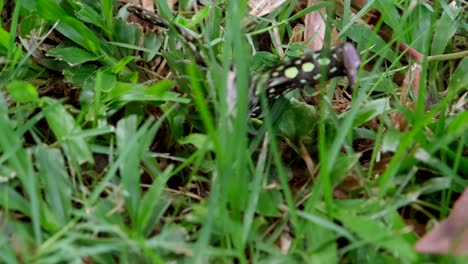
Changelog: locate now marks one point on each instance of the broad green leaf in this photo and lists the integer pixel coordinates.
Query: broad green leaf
(156, 92)
(391, 140)
(297, 121)
(369, 111)
(4, 40)
(322, 244)
(31, 25)
(79, 33)
(263, 60)
(198, 140)
(436, 184)
(79, 75)
(268, 203)
(127, 38)
(445, 28)
(107, 8)
(121, 64)
(67, 132)
(419, 21)
(69, 26)
(374, 232)
(152, 43)
(459, 125)
(459, 78)
(159, 88)
(127, 140)
(132, 145)
(154, 204)
(56, 182)
(20, 161)
(346, 163)
(9, 255)
(389, 13)
(12, 200)
(199, 16)
(88, 14)
(72, 55)
(22, 92)
(105, 81)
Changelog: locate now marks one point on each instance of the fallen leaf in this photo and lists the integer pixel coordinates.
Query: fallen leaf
(148, 5)
(315, 27)
(451, 235)
(263, 7)
(411, 81)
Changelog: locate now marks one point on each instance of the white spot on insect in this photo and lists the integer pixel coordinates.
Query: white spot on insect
(335, 54)
(275, 74)
(303, 81)
(297, 62)
(308, 67)
(286, 91)
(277, 81)
(333, 69)
(280, 68)
(317, 76)
(323, 61)
(272, 90)
(291, 72)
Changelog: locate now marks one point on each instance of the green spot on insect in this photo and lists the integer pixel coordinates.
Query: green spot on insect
(323, 61)
(308, 67)
(291, 72)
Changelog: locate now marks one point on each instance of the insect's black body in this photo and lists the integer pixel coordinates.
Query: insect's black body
(306, 70)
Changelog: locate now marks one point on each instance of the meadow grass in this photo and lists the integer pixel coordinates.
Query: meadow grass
(108, 157)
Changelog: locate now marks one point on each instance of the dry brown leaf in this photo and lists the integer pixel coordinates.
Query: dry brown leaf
(171, 3)
(399, 120)
(284, 242)
(451, 235)
(148, 5)
(263, 7)
(315, 27)
(411, 81)
(298, 33)
(307, 159)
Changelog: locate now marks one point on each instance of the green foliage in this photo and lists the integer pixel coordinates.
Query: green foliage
(107, 156)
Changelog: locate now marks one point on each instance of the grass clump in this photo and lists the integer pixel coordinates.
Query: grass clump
(118, 145)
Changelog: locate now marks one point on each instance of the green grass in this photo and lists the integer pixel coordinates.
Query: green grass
(104, 161)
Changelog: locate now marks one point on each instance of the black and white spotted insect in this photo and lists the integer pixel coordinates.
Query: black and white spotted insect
(306, 70)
